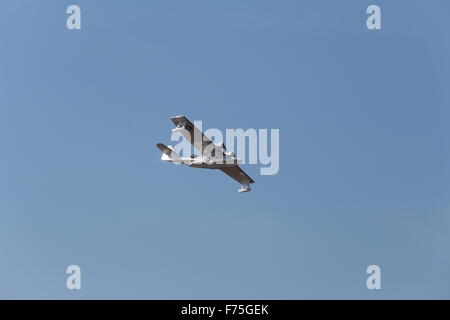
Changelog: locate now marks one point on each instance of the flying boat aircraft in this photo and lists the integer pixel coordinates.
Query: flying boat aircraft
(212, 156)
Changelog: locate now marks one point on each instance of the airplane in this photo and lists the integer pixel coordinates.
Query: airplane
(212, 156)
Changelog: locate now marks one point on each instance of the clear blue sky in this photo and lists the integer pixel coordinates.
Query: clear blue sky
(364, 142)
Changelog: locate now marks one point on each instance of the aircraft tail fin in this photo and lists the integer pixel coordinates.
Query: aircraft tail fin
(169, 154)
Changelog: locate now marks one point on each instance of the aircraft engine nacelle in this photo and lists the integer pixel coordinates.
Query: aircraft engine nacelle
(220, 145)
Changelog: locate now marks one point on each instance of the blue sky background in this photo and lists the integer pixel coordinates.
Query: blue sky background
(364, 149)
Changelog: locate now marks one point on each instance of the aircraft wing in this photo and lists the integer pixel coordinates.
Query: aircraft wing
(237, 174)
(193, 135)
